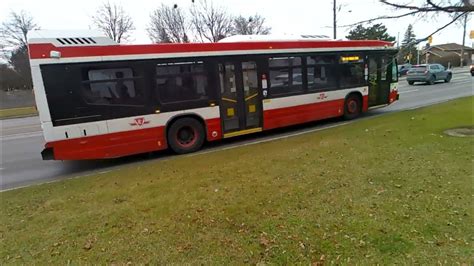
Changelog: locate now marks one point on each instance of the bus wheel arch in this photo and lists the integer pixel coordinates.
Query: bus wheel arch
(353, 105)
(185, 133)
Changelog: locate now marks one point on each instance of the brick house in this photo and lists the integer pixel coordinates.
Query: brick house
(447, 54)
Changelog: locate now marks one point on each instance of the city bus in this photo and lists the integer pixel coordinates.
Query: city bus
(99, 99)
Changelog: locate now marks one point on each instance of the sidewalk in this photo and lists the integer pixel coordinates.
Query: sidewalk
(463, 69)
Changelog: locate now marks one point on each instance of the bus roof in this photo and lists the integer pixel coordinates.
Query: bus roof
(91, 46)
(274, 37)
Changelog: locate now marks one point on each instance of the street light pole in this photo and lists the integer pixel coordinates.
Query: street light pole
(398, 40)
(463, 41)
(334, 18)
(417, 55)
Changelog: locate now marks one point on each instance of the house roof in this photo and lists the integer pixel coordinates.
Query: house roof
(440, 53)
(451, 47)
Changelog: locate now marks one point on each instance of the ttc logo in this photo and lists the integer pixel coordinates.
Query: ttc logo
(322, 96)
(139, 122)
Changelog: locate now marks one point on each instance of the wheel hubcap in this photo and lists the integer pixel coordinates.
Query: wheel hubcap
(352, 106)
(186, 135)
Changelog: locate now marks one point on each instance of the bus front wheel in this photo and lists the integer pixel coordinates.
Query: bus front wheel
(186, 135)
(352, 107)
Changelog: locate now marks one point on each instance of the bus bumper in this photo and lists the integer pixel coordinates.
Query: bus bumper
(47, 154)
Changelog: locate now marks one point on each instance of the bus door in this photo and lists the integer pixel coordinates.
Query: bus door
(240, 102)
(379, 79)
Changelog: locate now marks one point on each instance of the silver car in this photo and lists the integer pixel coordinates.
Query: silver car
(428, 73)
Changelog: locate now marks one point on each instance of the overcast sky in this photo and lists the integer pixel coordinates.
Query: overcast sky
(284, 17)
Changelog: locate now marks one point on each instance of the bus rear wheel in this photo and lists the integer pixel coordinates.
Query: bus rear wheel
(186, 135)
(352, 107)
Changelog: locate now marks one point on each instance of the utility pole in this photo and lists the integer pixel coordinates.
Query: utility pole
(463, 41)
(398, 40)
(334, 18)
(417, 55)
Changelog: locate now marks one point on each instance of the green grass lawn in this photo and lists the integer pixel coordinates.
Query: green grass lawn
(390, 189)
(17, 112)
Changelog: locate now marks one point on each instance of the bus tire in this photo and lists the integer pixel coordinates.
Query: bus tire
(186, 135)
(352, 106)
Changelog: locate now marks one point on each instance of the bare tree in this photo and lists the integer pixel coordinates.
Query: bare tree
(21, 64)
(210, 22)
(429, 6)
(14, 46)
(168, 25)
(113, 21)
(252, 25)
(14, 31)
(457, 9)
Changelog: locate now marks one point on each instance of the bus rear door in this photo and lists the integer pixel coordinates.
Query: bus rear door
(240, 100)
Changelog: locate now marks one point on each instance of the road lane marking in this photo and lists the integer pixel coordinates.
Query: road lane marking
(21, 135)
(401, 92)
(21, 127)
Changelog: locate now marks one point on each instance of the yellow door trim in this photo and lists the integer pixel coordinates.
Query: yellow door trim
(251, 96)
(242, 132)
(229, 100)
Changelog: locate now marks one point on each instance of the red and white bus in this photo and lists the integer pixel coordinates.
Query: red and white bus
(99, 99)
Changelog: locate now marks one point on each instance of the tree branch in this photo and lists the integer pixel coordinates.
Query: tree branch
(441, 28)
(431, 7)
(381, 18)
(113, 21)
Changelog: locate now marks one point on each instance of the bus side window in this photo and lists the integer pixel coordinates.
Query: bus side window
(285, 75)
(181, 82)
(385, 69)
(352, 71)
(111, 87)
(394, 70)
(321, 72)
